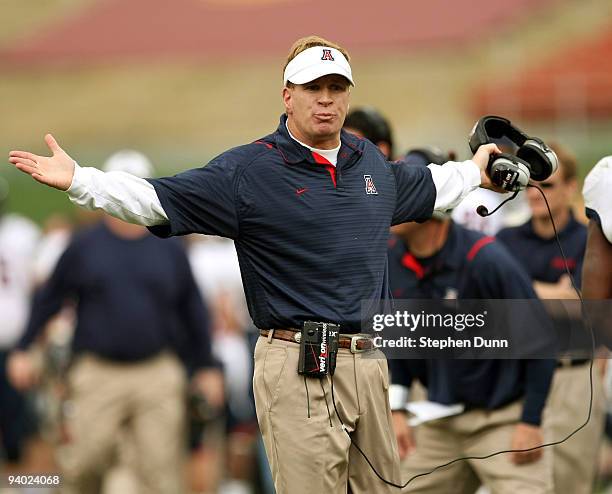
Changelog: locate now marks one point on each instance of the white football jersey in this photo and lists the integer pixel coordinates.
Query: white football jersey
(214, 263)
(18, 241)
(596, 192)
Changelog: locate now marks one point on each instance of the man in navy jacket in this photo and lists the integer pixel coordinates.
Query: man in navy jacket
(309, 207)
(503, 399)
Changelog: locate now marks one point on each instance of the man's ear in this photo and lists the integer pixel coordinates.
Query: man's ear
(287, 93)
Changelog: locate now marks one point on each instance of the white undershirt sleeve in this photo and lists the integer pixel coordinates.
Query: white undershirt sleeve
(453, 181)
(399, 396)
(119, 194)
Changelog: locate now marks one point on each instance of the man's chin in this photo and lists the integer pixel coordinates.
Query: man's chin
(326, 130)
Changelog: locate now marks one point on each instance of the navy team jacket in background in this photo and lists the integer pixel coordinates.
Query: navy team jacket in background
(311, 239)
(469, 266)
(541, 257)
(134, 299)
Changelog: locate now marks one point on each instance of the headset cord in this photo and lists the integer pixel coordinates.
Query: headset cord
(497, 453)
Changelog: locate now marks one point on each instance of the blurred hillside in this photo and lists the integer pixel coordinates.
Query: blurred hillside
(184, 80)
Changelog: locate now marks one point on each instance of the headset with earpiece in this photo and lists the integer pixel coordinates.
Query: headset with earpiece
(533, 159)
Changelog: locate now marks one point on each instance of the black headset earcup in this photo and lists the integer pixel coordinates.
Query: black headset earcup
(542, 160)
(478, 136)
(508, 171)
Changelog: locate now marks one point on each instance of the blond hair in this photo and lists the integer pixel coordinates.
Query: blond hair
(309, 42)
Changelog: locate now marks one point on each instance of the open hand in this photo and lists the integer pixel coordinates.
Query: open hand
(55, 171)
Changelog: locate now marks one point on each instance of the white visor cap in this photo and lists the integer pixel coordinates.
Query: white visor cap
(316, 62)
(129, 161)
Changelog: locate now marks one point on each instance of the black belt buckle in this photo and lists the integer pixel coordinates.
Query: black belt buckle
(318, 349)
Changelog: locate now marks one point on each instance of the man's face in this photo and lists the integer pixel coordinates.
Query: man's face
(316, 110)
(558, 192)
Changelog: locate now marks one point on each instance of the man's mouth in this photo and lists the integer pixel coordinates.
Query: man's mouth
(324, 117)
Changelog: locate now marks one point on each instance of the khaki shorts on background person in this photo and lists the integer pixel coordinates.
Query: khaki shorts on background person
(141, 402)
(474, 433)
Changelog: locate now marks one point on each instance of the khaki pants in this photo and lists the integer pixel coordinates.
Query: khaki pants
(575, 460)
(308, 450)
(143, 402)
(474, 433)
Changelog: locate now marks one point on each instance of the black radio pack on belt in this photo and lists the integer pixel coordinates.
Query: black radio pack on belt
(533, 159)
(318, 349)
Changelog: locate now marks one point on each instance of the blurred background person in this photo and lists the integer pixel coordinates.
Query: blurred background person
(228, 448)
(368, 122)
(138, 309)
(502, 400)
(18, 241)
(535, 247)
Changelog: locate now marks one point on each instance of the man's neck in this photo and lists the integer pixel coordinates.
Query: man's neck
(326, 142)
(543, 227)
(428, 239)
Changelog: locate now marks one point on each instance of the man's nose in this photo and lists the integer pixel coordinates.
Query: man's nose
(325, 98)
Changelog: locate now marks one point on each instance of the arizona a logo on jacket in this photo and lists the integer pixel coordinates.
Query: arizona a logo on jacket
(369, 185)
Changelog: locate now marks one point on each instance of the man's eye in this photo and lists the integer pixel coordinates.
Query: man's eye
(312, 88)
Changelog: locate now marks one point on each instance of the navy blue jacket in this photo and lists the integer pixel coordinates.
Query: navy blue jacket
(541, 257)
(134, 298)
(470, 265)
(311, 239)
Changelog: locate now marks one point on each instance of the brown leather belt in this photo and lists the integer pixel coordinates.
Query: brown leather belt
(355, 343)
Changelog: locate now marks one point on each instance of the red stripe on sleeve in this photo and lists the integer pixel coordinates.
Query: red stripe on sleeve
(479, 245)
(410, 262)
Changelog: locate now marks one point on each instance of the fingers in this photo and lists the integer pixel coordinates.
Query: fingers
(25, 168)
(493, 149)
(52, 144)
(39, 178)
(24, 155)
(25, 165)
(23, 161)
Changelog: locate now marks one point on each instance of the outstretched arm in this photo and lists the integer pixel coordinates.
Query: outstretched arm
(119, 194)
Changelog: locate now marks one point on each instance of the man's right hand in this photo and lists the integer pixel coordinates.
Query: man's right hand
(404, 435)
(21, 370)
(55, 171)
(481, 158)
